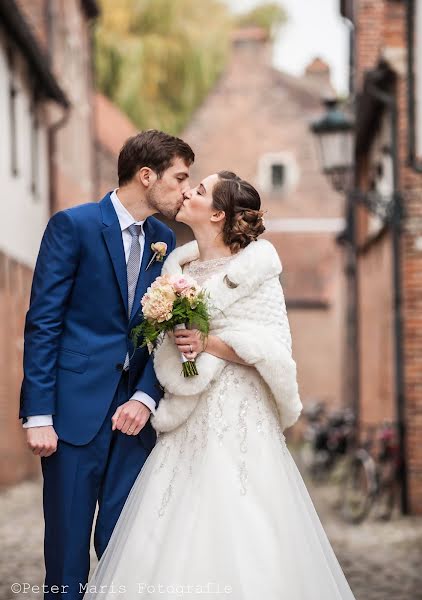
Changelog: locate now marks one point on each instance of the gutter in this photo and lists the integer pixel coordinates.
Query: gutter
(18, 30)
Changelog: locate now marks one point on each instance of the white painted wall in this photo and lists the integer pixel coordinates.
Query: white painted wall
(23, 215)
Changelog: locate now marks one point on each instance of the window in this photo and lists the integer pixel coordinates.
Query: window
(34, 149)
(12, 115)
(278, 173)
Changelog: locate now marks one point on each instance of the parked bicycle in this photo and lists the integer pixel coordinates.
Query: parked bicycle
(371, 482)
(327, 438)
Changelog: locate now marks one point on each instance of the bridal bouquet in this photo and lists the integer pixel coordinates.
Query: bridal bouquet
(172, 301)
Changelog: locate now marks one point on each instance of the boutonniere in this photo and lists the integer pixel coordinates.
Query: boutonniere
(160, 250)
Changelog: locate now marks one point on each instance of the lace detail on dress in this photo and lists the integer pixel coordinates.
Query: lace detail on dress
(203, 270)
(230, 415)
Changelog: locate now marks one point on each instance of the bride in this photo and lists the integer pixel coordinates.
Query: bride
(220, 508)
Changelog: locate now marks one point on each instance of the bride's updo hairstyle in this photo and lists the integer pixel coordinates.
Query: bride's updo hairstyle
(241, 204)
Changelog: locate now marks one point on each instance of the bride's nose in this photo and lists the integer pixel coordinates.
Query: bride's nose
(187, 195)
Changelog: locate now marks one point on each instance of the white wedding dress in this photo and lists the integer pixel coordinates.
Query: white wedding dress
(220, 509)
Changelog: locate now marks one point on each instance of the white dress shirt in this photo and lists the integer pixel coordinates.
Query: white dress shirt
(125, 220)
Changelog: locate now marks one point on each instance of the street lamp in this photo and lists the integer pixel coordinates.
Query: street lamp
(334, 131)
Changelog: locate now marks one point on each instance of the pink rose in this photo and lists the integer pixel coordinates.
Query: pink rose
(182, 283)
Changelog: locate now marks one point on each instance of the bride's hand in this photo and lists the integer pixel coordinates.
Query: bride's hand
(187, 338)
(189, 342)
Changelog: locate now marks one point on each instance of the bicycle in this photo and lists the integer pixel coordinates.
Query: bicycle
(327, 439)
(372, 476)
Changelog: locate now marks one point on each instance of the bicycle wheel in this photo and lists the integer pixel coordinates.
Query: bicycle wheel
(358, 488)
(387, 493)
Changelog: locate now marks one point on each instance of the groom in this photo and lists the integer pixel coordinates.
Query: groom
(85, 400)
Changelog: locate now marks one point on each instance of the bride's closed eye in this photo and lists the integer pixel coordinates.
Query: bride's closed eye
(201, 190)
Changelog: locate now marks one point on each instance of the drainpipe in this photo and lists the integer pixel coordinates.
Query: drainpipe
(55, 126)
(94, 145)
(351, 389)
(389, 102)
(353, 348)
(413, 162)
(52, 148)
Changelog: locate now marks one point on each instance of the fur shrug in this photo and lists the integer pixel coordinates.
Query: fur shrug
(248, 312)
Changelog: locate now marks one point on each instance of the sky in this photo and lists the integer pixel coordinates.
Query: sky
(314, 28)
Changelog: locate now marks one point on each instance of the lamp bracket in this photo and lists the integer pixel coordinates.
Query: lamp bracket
(387, 207)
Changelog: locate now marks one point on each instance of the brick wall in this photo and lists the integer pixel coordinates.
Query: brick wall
(381, 32)
(376, 334)
(16, 461)
(74, 157)
(411, 261)
(369, 27)
(412, 312)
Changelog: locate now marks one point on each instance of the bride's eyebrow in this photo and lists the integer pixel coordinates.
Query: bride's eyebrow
(201, 185)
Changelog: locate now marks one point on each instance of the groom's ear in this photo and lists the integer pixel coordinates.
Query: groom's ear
(217, 216)
(146, 176)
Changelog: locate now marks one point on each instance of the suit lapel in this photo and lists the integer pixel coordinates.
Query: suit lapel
(145, 277)
(113, 238)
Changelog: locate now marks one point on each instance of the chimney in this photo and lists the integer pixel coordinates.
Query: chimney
(252, 43)
(318, 73)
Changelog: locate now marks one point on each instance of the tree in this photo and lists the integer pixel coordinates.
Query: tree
(270, 16)
(158, 59)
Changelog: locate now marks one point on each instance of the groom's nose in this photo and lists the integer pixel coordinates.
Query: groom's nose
(187, 194)
(185, 186)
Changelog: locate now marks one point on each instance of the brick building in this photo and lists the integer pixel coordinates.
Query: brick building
(255, 122)
(113, 128)
(387, 221)
(47, 162)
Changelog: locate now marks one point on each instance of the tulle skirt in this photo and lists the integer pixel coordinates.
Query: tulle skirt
(220, 510)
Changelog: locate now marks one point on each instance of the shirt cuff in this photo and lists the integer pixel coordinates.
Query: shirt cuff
(38, 421)
(145, 399)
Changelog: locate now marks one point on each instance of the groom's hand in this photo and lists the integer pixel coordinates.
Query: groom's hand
(42, 440)
(130, 417)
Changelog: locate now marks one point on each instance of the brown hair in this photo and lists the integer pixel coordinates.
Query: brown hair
(153, 149)
(242, 206)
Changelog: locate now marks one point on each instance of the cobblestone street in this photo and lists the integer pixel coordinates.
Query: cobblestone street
(382, 561)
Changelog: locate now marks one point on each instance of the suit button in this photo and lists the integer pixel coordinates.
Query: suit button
(119, 367)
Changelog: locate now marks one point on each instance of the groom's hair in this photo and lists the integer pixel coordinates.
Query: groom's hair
(154, 149)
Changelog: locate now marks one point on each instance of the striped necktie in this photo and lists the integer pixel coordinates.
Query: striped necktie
(132, 267)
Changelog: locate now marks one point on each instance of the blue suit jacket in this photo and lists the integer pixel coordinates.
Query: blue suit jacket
(77, 329)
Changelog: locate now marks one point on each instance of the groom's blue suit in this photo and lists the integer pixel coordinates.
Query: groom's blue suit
(77, 335)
